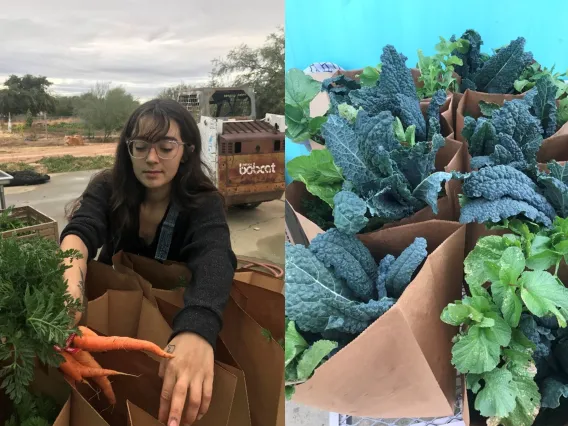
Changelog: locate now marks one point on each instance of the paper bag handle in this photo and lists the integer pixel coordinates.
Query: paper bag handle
(270, 267)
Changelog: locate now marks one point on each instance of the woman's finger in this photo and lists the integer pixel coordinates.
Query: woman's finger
(206, 397)
(194, 400)
(167, 394)
(163, 367)
(165, 362)
(178, 402)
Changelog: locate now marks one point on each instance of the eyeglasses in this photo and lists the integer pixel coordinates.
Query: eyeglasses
(166, 149)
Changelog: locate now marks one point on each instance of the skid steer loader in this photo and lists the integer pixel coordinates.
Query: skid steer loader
(246, 154)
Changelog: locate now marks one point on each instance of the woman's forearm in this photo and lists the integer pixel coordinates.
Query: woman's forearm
(76, 275)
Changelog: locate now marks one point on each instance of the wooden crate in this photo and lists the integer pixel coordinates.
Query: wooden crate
(46, 227)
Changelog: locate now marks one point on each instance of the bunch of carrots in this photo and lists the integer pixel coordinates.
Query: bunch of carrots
(80, 365)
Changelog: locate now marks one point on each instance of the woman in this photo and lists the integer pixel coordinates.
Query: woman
(158, 202)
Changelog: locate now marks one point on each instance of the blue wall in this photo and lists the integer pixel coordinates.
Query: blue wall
(352, 33)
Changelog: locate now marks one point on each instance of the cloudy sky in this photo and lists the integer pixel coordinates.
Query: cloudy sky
(142, 45)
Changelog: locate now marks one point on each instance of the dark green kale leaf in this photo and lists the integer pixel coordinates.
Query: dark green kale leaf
(496, 193)
(499, 73)
(395, 92)
(318, 211)
(349, 260)
(318, 300)
(471, 61)
(401, 270)
(338, 89)
(542, 100)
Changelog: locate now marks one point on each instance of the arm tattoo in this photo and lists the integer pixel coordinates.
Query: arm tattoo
(82, 284)
(170, 348)
(85, 301)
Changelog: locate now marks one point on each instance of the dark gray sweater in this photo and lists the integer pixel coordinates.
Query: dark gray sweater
(201, 239)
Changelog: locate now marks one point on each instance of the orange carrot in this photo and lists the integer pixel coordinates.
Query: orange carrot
(69, 367)
(79, 372)
(70, 380)
(102, 344)
(106, 387)
(86, 359)
(87, 331)
(90, 372)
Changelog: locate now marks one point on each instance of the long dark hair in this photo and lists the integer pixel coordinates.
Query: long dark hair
(191, 182)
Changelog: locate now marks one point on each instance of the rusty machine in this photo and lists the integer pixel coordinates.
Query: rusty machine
(246, 154)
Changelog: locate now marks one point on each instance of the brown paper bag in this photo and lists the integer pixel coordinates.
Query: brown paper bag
(166, 276)
(352, 74)
(139, 417)
(262, 360)
(240, 412)
(128, 313)
(456, 98)
(469, 105)
(78, 412)
(131, 272)
(167, 280)
(102, 277)
(264, 301)
(256, 304)
(446, 118)
(553, 148)
(400, 366)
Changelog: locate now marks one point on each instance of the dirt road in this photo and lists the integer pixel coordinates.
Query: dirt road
(30, 154)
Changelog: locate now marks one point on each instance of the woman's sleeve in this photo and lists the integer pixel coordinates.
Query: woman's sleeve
(90, 221)
(212, 263)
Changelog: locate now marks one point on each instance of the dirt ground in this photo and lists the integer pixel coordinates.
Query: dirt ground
(30, 144)
(14, 149)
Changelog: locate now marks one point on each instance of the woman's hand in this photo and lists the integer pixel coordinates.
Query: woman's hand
(188, 380)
